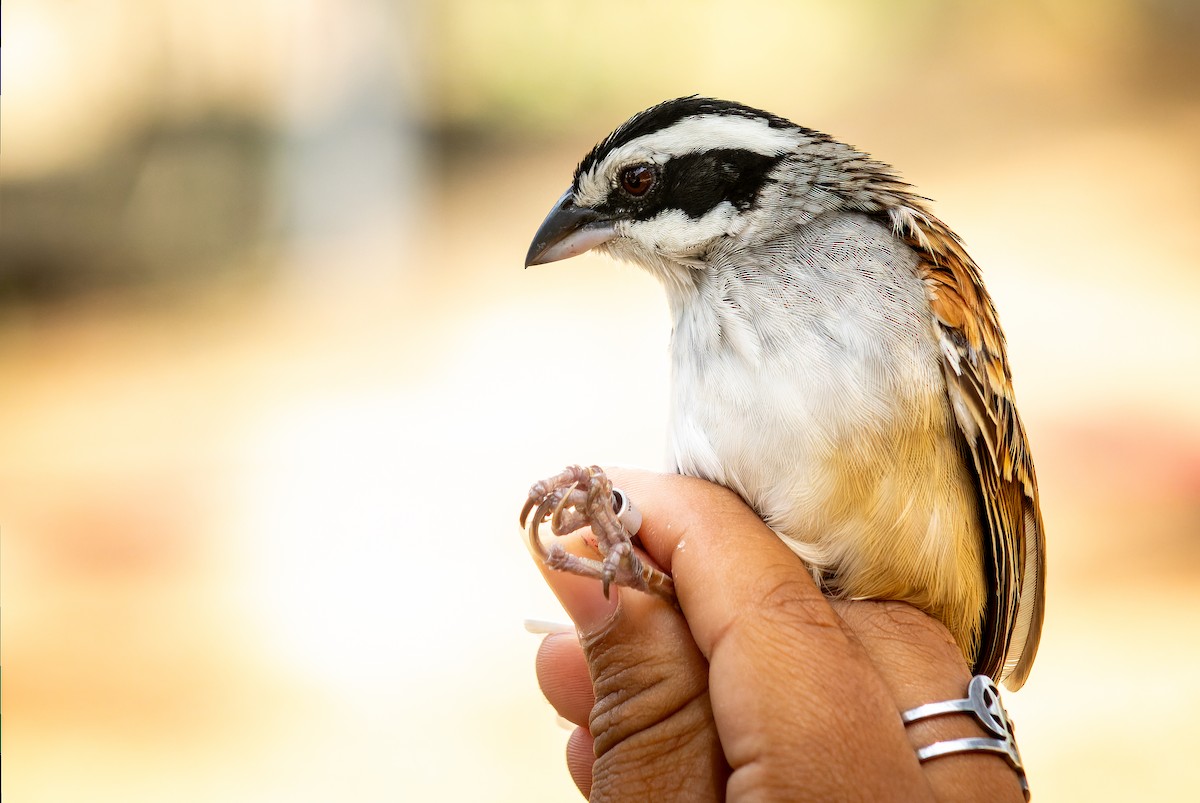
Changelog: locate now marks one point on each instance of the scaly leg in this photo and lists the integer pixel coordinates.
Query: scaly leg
(578, 497)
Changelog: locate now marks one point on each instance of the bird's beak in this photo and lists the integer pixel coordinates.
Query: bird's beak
(568, 231)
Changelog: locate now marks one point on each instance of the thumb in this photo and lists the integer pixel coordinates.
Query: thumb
(651, 725)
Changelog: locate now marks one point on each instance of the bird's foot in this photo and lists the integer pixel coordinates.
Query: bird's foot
(579, 497)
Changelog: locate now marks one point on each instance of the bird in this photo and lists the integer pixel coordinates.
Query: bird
(835, 360)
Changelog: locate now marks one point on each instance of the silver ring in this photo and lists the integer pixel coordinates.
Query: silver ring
(629, 516)
(982, 702)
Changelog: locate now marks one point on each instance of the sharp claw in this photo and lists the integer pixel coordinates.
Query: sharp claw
(558, 509)
(535, 540)
(529, 504)
(603, 507)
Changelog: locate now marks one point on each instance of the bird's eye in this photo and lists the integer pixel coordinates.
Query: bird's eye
(637, 180)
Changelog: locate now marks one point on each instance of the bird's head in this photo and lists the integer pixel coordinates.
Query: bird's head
(690, 176)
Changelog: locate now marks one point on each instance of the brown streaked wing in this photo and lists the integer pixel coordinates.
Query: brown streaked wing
(979, 383)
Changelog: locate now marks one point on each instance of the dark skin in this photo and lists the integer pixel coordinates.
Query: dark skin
(756, 687)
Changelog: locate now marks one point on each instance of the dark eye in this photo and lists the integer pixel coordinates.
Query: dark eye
(637, 180)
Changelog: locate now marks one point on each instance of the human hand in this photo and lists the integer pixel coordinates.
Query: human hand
(757, 686)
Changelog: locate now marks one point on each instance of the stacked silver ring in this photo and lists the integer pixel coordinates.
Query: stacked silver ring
(983, 702)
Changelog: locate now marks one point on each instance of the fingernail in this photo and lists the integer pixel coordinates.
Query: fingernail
(544, 627)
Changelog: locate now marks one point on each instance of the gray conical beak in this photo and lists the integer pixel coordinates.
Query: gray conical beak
(568, 231)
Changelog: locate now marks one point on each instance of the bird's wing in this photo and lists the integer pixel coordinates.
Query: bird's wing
(980, 389)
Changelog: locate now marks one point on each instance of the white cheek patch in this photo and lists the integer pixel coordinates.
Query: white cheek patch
(673, 233)
(690, 135)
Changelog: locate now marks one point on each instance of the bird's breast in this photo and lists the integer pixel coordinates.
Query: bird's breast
(810, 382)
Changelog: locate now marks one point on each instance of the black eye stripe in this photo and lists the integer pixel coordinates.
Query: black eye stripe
(695, 183)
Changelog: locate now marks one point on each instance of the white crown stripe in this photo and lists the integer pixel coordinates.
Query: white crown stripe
(691, 135)
(714, 132)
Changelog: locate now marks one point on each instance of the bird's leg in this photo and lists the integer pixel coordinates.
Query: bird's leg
(579, 497)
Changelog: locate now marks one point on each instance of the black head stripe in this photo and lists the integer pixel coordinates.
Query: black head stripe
(696, 183)
(667, 114)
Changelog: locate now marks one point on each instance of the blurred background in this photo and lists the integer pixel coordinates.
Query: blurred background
(276, 382)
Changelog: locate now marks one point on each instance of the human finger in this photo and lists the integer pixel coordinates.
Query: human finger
(920, 663)
(651, 723)
(581, 755)
(562, 674)
(799, 709)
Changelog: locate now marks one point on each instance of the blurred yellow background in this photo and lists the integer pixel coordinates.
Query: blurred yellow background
(275, 380)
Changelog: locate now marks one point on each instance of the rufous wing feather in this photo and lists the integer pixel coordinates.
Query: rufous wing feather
(979, 385)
